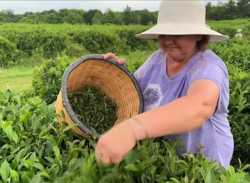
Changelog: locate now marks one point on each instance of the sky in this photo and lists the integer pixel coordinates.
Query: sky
(40, 5)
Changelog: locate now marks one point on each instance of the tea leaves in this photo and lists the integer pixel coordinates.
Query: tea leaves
(93, 108)
(50, 153)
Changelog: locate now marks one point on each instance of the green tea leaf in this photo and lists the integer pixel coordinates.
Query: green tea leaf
(131, 167)
(210, 177)
(5, 170)
(38, 166)
(69, 127)
(36, 179)
(14, 175)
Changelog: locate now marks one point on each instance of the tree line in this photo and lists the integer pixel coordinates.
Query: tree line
(222, 11)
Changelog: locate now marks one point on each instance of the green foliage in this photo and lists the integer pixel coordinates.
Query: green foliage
(152, 161)
(8, 52)
(240, 127)
(28, 41)
(48, 77)
(97, 40)
(239, 115)
(75, 50)
(34, 148)
(229, 31)
(234, 52)
(47, 41)
(127, 34)
(31, 142)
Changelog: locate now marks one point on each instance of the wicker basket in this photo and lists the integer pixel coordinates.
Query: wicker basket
(113, 79)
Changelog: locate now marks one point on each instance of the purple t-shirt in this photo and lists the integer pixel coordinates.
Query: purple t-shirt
(215, 135)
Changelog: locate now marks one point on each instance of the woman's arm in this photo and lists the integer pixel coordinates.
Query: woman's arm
(207, 81)
(182, 115)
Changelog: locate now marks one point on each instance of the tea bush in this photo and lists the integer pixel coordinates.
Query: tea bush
(55, 39)
(35, 149)
(239, 115)
(235, 52)
(29, 40)
(99, 40)
(8, 52)
(75, 50)
(47, 77)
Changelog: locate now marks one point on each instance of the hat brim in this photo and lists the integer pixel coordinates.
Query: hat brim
(181, 29)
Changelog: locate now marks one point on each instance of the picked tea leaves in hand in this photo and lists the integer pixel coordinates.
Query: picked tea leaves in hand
(94, 108)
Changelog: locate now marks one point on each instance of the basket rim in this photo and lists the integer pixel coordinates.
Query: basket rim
(73, 66)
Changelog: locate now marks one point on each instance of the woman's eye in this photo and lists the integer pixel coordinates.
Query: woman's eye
(178, 36)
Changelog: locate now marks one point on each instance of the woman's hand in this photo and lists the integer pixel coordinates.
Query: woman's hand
(115, 144)
(113, 56)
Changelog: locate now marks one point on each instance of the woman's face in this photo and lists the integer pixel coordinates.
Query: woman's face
(178, 47)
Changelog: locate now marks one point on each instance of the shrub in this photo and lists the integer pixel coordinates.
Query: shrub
(76, 50)
(234, 51)
(239, 115)
(34, 148)
(237, 58)
(99, 41)
(8, 53)
(48, 77)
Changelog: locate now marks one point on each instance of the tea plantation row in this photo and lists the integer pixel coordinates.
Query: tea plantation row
(24, 40)
(35, 149)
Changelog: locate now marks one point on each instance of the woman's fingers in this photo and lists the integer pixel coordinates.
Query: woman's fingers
(116, 159)
(103, 156)
(121, 61)
(113, 56)
(110, 55)
(105, 159)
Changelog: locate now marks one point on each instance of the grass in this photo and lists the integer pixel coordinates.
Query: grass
(16, 78)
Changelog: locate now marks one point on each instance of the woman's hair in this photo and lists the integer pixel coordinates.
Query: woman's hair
(203, 44)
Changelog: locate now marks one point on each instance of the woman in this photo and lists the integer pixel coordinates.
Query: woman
(239, 34)
(185, 87)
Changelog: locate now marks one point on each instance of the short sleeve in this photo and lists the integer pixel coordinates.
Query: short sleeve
(141, 71)
(214, 70)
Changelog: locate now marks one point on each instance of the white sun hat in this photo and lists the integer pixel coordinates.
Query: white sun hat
(186, 17)
(239, 30)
